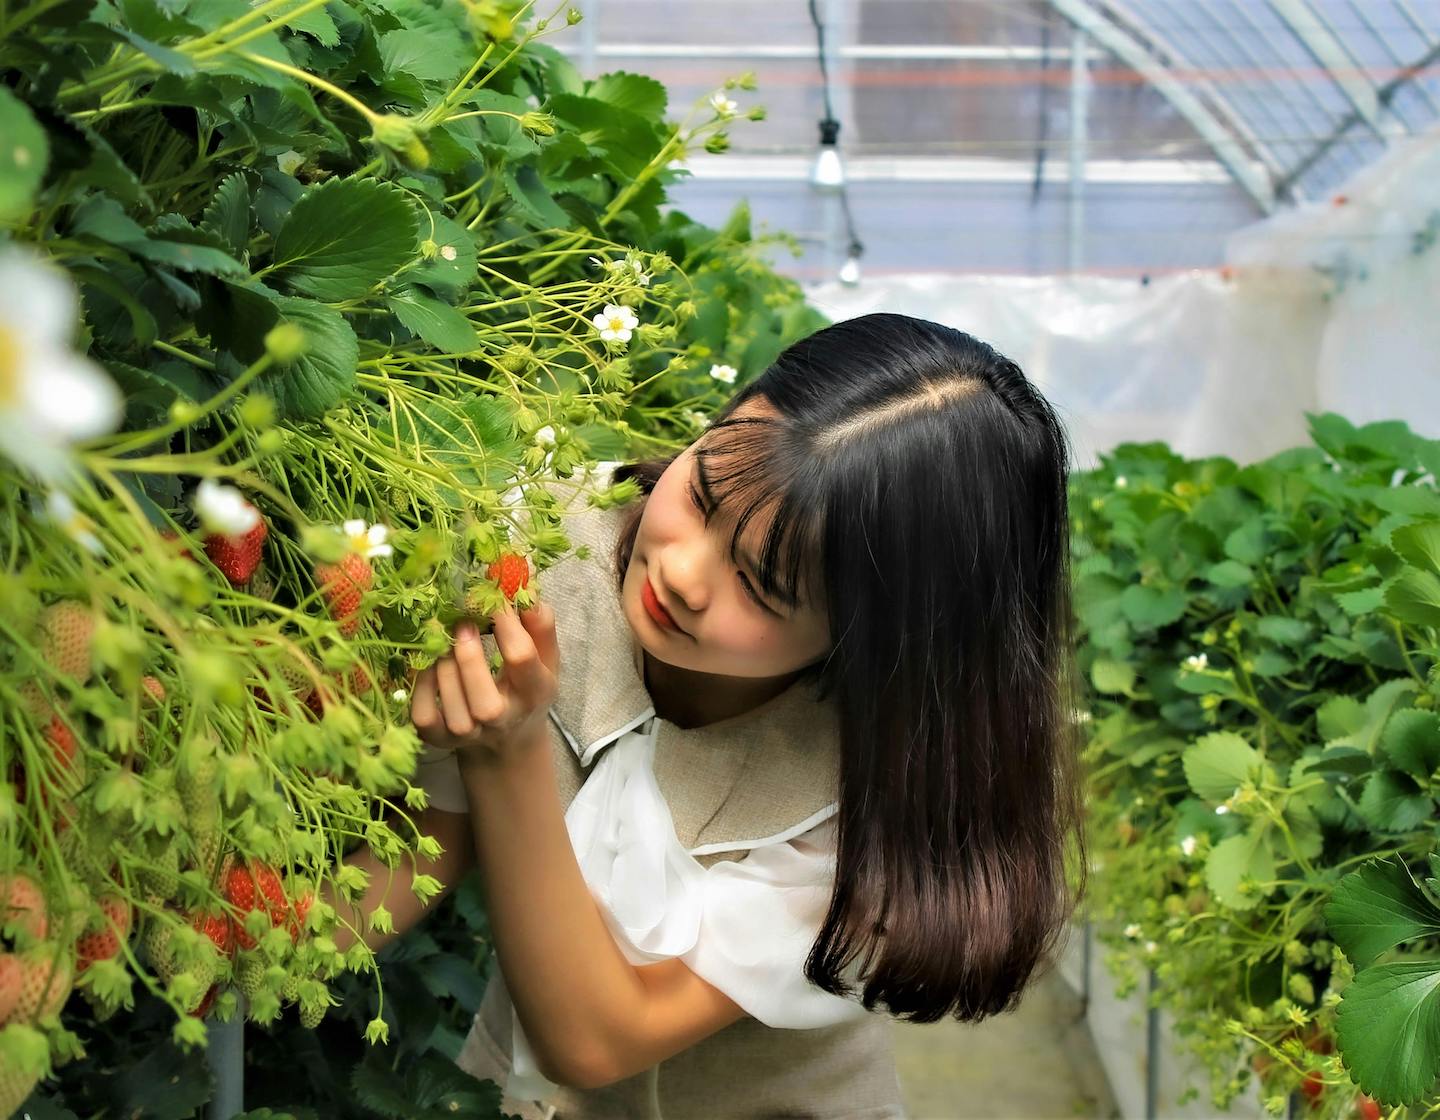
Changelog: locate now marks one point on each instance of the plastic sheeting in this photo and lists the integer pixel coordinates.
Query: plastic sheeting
(1333, 306)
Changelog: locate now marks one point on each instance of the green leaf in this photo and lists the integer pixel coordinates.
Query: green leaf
(1113, 676)
(24, 155)
(325, 374)
(439, 324)
(1413, 597)
(1391, 802)
(1419, 544)
(534, 201)
(1412, 740)
(1230, 573)
(1388, 1026)
(1152, 607)
(637, 93)
(227, 215)
(424, 55)
(1284, 631)
(1242, 857)
(1376, 908)
(451, 272)
(1217, 763)
(345, 236)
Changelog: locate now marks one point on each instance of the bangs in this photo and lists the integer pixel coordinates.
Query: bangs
(740, 474)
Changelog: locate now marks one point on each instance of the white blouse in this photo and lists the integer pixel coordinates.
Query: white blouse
(745, 926)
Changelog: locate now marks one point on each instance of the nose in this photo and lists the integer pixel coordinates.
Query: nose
(683, 574)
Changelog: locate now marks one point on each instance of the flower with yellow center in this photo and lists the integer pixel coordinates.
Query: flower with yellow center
(50, 396)
(615, 323)
(367, 540)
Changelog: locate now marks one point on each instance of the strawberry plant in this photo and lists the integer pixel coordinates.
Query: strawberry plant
(303, 299)
(1260, 644)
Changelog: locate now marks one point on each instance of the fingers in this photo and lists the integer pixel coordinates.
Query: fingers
(481, 693)
(424, 711)
(453, 705)
(525, 664)
(539, 622)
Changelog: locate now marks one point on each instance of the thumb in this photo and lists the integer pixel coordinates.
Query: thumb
(539, 622)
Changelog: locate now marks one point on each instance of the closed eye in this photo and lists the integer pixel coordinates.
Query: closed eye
(744, 582)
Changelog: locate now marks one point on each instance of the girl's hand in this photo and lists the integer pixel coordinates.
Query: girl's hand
(481, 718)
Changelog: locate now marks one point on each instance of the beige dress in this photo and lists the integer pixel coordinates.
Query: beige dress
(753, 783)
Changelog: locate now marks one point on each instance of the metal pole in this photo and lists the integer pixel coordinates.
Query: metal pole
(225, 1057)
(1152, 1055)
(1079, 144)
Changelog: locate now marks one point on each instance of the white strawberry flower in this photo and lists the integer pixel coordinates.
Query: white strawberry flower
(1132, 930)
(697, 419)
(545, 437)
(223, 509)
(640, 274)
(50, 396)
(72, 522)
(722, 104)
(616, 323)
(289, 162)
(1187, 845)
(1196, 662)
(368, 540)
(724, 373)
(1121, 482)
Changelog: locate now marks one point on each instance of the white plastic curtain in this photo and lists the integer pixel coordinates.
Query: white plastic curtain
(1333, 306)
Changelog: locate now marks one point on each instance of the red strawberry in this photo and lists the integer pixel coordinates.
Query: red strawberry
(22, 905)
(511, 572)
(217, 928)
(237, 557)
(174, 538)
(342, 585)
(254, 887)
(11, 976)
(1313, 1086)
(1368, 1107)
(300, 907)
(153, 692)
(105, 943)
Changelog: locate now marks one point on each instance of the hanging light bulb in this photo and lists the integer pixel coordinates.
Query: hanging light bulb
(850, 271)
(828, 174)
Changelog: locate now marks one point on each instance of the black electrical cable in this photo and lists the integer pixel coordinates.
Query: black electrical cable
(829, 132)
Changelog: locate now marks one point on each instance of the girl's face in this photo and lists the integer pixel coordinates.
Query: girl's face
(723, 629)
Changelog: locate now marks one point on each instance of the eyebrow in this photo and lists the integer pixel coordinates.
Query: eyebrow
(789, 600)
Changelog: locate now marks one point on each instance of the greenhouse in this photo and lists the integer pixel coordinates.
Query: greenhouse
(676, 561)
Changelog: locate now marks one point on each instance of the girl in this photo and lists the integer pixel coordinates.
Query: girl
(812, 739)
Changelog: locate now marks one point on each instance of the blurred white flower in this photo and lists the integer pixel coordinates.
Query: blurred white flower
(367, 540)
(1187, 845)
(1121, 482)
(223, 509)
(289, 162)
(697, 419)
(75, 524)
(1151, 947)
(724, 373)
(640, 274)
(722, 104)
(1132, 930)
(616, 323)
(50, 396)
(545, 437)
(1196, 662)
(1221, 810)
(399, 696)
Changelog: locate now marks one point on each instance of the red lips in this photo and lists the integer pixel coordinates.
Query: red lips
(652, 604)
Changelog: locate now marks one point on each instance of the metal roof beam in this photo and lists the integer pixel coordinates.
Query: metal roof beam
(1227, 149)
(1321, 42)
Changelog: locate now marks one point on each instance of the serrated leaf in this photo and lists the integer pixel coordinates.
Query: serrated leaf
(1217, 763)
(1413, 597)
(24, 155)
(439, 324)
(451, 272)
(1152, 607)
(1412, 740)
(325, 374)
(1388, 1027)
(534, 201)
(345, 236)
(1391, 802)
(424, 55)
(1377, 907)
(227, 215)
(1234, 860)
(1419, 544)
(1113, 676)
(1230, 573)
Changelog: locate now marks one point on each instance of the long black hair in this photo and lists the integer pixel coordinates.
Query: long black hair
(920, 483)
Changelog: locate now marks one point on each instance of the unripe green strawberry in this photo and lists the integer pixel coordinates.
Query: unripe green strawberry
(290, 989)
(15, 1086)
(310, 1016)
(47, 977)
(249, 972)
(67, 632)
(161, 883)
(342, 586)
(155, 938)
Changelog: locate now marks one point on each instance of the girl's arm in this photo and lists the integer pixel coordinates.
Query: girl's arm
(591, 1017)
(390, 887)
